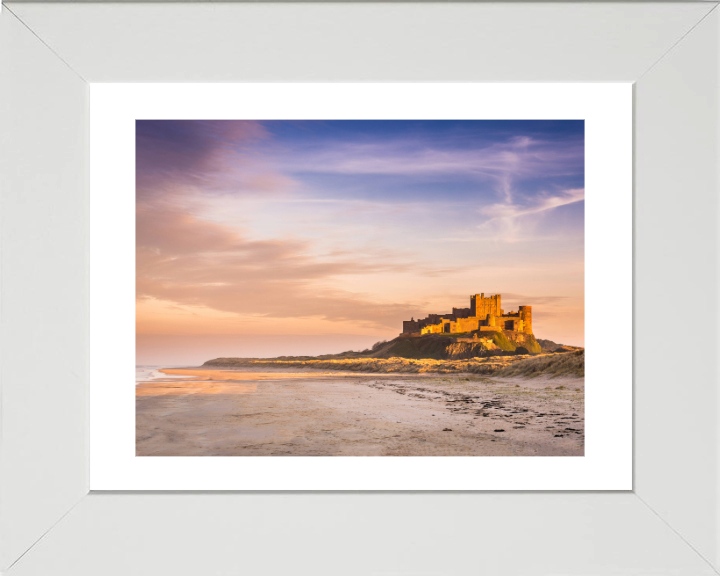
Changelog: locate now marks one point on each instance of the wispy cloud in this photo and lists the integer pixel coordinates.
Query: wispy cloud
(540, 203)
(510, 222)
(519, 157)
(521, 299)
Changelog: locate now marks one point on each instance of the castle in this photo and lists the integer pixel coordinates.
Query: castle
(484, 315)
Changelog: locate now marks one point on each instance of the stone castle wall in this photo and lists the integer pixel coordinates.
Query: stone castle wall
(481, 306)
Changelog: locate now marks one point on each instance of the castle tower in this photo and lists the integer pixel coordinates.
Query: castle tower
(526, 316)
(480, 306)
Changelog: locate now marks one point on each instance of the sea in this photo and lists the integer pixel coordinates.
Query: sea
(147, 373)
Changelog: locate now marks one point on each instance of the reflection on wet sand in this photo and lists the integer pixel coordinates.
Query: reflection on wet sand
(225, 375)
(185, 387)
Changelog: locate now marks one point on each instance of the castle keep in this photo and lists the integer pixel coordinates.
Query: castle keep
(484, 315)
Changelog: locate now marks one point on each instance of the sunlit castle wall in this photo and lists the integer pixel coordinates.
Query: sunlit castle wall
(480, 306)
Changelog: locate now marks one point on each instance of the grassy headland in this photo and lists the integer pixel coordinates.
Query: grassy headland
(432, 353)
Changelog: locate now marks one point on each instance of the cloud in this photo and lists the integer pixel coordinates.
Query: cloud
(522, 299)
(540, 203)
(519, 156)
(189, 261)
(509, 222)
(512, 222)
(179, 157)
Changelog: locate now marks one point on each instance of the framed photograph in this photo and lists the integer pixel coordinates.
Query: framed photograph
(281, 272)
(240, 218)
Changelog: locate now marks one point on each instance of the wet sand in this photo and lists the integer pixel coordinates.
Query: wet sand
(295, 413)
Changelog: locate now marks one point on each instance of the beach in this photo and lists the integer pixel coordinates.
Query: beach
(291, 412)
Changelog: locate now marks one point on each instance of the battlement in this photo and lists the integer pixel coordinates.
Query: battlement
(485, 314)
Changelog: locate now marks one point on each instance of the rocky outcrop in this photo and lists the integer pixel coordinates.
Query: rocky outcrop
(464, 350)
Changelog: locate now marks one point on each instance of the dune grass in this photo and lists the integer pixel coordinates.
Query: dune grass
(554, 365)
(570, 364)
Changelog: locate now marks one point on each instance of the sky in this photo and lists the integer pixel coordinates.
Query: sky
(265, 238)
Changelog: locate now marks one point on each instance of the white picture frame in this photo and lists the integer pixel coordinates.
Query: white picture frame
(50, 523)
